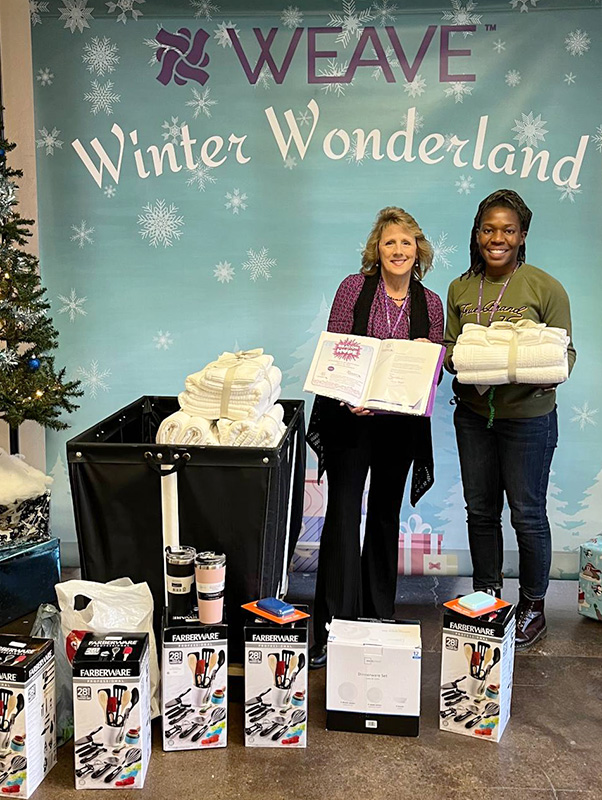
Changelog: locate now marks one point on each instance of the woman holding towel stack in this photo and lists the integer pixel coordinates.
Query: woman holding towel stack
(386, 300)
(506, 434)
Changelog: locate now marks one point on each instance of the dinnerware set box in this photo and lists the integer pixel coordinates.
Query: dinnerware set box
(27, 713)
(590, 578)
(373, 677)
(111, 711)
(194, 694)
(276, 683)
(477, 664)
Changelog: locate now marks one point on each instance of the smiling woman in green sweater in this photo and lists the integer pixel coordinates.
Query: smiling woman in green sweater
(507, 436)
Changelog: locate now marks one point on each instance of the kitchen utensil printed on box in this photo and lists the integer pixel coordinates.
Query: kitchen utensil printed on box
(275, 684)
(194, 687)
(111, 711)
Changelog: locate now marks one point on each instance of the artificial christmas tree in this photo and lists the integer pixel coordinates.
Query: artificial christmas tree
(30, 387)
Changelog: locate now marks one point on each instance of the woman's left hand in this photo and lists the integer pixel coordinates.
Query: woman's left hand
(421, 339)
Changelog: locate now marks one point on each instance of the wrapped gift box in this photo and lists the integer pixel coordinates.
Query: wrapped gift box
(417, 540)
(590, 578)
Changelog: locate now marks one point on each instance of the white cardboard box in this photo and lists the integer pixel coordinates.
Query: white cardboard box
(28, 718)
(373, 677)
(194, 685)
(476, 692)
(111, 711)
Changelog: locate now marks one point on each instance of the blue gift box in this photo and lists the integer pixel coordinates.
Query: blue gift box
(28, 574)
(590, 578)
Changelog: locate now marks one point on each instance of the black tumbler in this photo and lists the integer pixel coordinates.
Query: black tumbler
(179, 574)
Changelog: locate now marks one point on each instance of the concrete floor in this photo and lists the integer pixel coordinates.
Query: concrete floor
(550, 749)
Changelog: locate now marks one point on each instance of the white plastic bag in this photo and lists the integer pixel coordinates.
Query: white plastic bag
(114, 607)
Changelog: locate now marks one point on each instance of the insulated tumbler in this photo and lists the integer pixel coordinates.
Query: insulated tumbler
(210, 581)
(179, 571)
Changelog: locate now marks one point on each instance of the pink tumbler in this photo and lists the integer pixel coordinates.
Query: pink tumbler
(210, 571)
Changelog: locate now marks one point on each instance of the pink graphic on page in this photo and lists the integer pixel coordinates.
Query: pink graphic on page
(347, 350)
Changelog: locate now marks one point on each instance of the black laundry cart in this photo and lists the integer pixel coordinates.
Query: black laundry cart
(246, 502)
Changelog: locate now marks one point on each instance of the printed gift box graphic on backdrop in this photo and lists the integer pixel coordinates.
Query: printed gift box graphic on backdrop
(420, 550)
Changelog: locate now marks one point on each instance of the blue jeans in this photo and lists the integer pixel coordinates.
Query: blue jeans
(514, 456)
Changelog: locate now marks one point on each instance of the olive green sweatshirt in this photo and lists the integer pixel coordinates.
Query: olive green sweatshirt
(531, 294)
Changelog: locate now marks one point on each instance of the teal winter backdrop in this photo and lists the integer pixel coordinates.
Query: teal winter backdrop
(208, 175)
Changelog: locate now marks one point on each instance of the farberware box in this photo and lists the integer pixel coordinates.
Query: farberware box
(194, 684)
(477, 662)
(276, 683)
(111, 711)
(373, 677)
(27, 713)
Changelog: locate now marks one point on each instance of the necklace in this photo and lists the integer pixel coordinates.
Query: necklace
(397, 299)
(494, 283)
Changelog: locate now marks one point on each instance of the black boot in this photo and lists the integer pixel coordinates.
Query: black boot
(317, 656)
(530, 622)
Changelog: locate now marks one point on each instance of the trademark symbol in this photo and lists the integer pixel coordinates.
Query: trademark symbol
(491, 27)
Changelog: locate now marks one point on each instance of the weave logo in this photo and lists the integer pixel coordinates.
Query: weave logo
(182, 56)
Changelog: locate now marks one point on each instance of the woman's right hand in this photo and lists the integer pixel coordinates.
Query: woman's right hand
(359, 411)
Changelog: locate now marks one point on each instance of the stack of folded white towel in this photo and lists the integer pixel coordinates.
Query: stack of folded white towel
(507, 352)
(231, 402)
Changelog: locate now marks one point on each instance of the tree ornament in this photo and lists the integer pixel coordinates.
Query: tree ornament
(34, 364)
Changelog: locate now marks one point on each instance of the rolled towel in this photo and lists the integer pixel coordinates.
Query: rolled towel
(171, 428)
(198, 431)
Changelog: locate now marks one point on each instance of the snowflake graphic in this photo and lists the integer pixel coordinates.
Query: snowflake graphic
(224, 272)
(204, 8)
(160, 224)
(221, 33)
(110, 191)
(201, 102)
(584, 416)
(461, 15)
(259, 265)
(334, 69)
(265, 79)
(457, 90)
(393, 62)
(94, 379)
(577, 43)
(83, 234)
(569, 78)
(163, 341)
(499, 46)
(523, 5)
(567, 191)
(72, 305)
(304, 118)
(76, 15)
(8, 359)
(125, 6)
(100, 55)
(465, 184)
(235, 200)
(450, 140)
(200, 176)
(441, 251)
(351, 21)
(45, 77)
(35, 9)
(384, 13)
(513, 77)
(418, 121)
(291, 17)
(101, 98)
(49, 140)
(416, 87)
(173, 130)
(530, 130)
(597, 138)
(361, 248)
(290, 162)
(354, 156)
